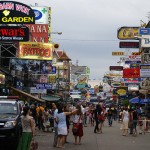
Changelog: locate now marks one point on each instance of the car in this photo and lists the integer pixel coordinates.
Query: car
(10, 120)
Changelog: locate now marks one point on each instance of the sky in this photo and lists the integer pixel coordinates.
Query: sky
(89, 28)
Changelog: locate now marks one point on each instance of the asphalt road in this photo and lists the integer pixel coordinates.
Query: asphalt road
(111, 139)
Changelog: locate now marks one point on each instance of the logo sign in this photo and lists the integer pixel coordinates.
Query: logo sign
(33, 50)
(145, 70)
(117, 53)
(145, 41)
(44, 86)
(16, 13)
(14, 33)
(117, 68)
(127, 33)
(129, 44)
(39, 32)
(131, 73)
(41, 14)
(144, 31)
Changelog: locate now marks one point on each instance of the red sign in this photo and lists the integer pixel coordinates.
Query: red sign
(131, 73)
(38, 32)
(129, 44)
(117, 68)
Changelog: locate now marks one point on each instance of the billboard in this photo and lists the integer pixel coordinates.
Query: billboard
(133, 58)
(127, 33)
(34, 50)
(32, 66)
(41, 14)
(131, 73)
(38, 32)
(129, 44)
(145, 41)
(16, 13)
(14, 33)
(117, 53)
(145, 70)
(116, 68)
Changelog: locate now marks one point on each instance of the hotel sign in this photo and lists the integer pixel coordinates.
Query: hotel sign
(14, 33)
(16, 13)
(34, 50)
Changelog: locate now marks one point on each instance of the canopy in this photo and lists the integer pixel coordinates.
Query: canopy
(139, 100)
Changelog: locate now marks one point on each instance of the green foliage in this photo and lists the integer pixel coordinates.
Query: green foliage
(125, 102)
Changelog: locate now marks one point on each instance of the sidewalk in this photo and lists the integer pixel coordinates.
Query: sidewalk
(111, 139)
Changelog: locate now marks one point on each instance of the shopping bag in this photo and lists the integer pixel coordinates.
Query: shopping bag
(34, 145)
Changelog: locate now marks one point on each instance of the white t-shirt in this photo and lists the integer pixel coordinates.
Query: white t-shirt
(126, 115)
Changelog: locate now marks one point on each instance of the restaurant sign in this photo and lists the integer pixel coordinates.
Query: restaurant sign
(12, 12)
(131, 73)
(34, 50)
(14, 33)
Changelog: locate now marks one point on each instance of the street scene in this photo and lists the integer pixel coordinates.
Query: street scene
(74, 75)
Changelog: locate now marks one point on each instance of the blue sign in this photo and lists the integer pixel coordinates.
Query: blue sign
(38, 14)
(132, 62)
(144, 31)
(44, 86)
(53, 70)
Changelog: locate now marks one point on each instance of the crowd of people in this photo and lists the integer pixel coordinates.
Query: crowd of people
(59, 117)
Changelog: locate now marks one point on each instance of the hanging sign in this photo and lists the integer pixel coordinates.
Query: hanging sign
(12, 12)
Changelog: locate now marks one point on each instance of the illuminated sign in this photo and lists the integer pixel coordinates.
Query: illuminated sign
(14, 33)
(117, 53)
(39, 32)
(117, 68)
(34, 50)
(125, 33)
(16, 13)
(129, 44)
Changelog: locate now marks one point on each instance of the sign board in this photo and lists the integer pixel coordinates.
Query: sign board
(127, 33)
(145, 41)
(144, 31)
(39, 32)
(34, 50)
(129, 45)
(12, 12)
(41, 14)
(116, 68)
(14, 33)
(44, 86)
(145, 70)
(145, 84)
(129, 62)
(131, 73)
(117, 53)
(34, 90)
(133, 87)
(136, 53)
(133, 58)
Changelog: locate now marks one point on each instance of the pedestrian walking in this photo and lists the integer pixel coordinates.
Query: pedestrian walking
(110, 116)
(28, 126)
(125, 121)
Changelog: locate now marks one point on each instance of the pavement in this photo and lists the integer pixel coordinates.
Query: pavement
(110, 139)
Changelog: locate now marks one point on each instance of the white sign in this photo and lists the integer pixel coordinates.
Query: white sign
(133, 58)
(145, 73)
(34, 90)
(145, 41)
(41, 14)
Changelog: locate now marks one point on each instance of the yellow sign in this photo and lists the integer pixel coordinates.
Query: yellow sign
(125, 33)
(121, 92)
(34, 50)
(117, 53)
(52, 78)
(136, 53)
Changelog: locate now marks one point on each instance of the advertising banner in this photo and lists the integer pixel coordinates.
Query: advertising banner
(145, 70)
(44, 86)
(131, 73)
(34, 50)
(14, 33)
(133, 58)
(12, 12)
(144, 31)
(145, 41)
(127, 33)
(38, 32)
(41, 14)
(33, 90)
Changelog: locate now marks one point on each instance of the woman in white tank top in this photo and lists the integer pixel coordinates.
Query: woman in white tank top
(125, 121)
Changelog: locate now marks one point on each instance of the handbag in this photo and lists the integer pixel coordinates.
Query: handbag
(101, 117)
(76, 126)
(34, 145)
